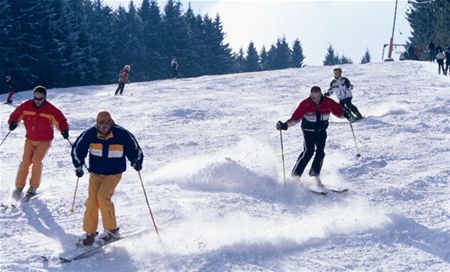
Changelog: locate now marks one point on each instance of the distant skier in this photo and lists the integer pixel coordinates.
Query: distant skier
(447, 61)
(431, 48)
(175, 67)
(313, 113)
(38, 116)
(108, 144)
(343, 89)
(11, 91)
(440, 56)
(123, 79)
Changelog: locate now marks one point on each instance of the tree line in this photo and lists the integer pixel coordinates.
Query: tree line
(61, 43)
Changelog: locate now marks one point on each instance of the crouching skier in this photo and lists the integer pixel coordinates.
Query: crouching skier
(108, 145)
(314, 113)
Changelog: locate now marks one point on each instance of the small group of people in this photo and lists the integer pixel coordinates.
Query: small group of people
(108, 146)
(125, 72)
(314, 113)
(443, 57)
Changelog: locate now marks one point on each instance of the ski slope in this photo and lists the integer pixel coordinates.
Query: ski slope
(213, 174)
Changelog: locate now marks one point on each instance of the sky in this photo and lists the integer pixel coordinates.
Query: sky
(350, 27)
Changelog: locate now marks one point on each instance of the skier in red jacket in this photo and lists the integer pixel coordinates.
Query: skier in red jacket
(38, 116)
(123, 78)
(313, 113)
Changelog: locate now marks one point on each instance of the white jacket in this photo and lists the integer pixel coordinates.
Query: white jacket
(342, 87)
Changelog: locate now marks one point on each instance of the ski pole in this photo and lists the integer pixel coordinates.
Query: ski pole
(282, 158)
(354, 138)
(148, 205)
(74, 195)
(7, 134)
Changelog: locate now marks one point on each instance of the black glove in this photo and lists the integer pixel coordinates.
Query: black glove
(137, 166)
(12, 125)
(326, 94)
(79, 172)
(282, 126)
(65, 134)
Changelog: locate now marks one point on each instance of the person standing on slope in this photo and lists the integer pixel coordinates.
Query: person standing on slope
(440, 57)
(39, 116)
(313, 113)
(108, 144)
(11, 90)
(343, 89)
(123, 79)
(175, 67)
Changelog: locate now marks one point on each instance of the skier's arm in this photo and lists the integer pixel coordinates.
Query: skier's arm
(347, 83)
(297, 115)
(16, 115)
(80, 149)
(133, 151)
(337, 109)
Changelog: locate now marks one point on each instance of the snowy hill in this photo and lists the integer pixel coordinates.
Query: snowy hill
(212, 171)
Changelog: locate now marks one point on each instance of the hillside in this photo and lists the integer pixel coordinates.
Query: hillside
(212, 171)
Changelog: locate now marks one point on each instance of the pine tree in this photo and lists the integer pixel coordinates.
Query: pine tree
(252, 59)
(240, 61)
(283, 54)
(366, 57)
(297, 56)
(331, 58)
(345, 60)
(263, 63)
(272, 58)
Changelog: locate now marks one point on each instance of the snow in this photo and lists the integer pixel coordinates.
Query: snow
(213, 175)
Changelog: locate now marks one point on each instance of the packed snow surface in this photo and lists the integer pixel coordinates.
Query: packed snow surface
(213, 175)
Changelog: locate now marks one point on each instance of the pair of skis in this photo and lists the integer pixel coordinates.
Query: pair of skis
(16, 203)
(326, 189)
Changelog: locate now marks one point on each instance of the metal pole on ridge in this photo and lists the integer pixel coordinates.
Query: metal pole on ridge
(354, 138)
(282, 158)
(148, 205)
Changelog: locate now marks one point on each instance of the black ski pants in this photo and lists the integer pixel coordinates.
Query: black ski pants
(346, 103)
(120, 88)
(441, 66)
(313, 140)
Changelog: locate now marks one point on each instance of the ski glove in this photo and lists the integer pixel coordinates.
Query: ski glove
(282, 126)
(137, 166)
(79, 172)
(65, 134)
(326, 94)
(12, 125)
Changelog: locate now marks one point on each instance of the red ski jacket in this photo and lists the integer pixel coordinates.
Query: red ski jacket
(123, 76)
(315, 116)
(39, 121)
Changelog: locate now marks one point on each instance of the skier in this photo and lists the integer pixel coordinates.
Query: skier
(11, 90)
(440, 56)
(343, 88)
(108, 145)
(38, 116)
(123, 78)
(175, 67)
(431, 50)
(314, 113)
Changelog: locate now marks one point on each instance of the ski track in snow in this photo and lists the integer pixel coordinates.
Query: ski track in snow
(212, 171)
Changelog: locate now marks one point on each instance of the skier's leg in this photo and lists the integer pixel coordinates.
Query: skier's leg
(90, 219)
(344, 104)
(104, 196)
(9, 98)
(118, 88)
(320, 140)
(121, 88)
(353, 108)
(40, 149)
(24, 166)
(305, 156)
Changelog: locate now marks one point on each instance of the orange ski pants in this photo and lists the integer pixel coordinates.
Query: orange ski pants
(101, 189)
(33, 154)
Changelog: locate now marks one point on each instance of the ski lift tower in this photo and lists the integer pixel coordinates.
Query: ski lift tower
(389, 58)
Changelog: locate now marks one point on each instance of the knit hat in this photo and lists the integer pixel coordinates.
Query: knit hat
(104, 117)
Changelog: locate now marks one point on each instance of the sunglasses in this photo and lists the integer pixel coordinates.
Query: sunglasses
(38, 99)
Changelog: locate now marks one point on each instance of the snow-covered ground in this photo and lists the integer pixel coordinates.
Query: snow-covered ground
(213, 174)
